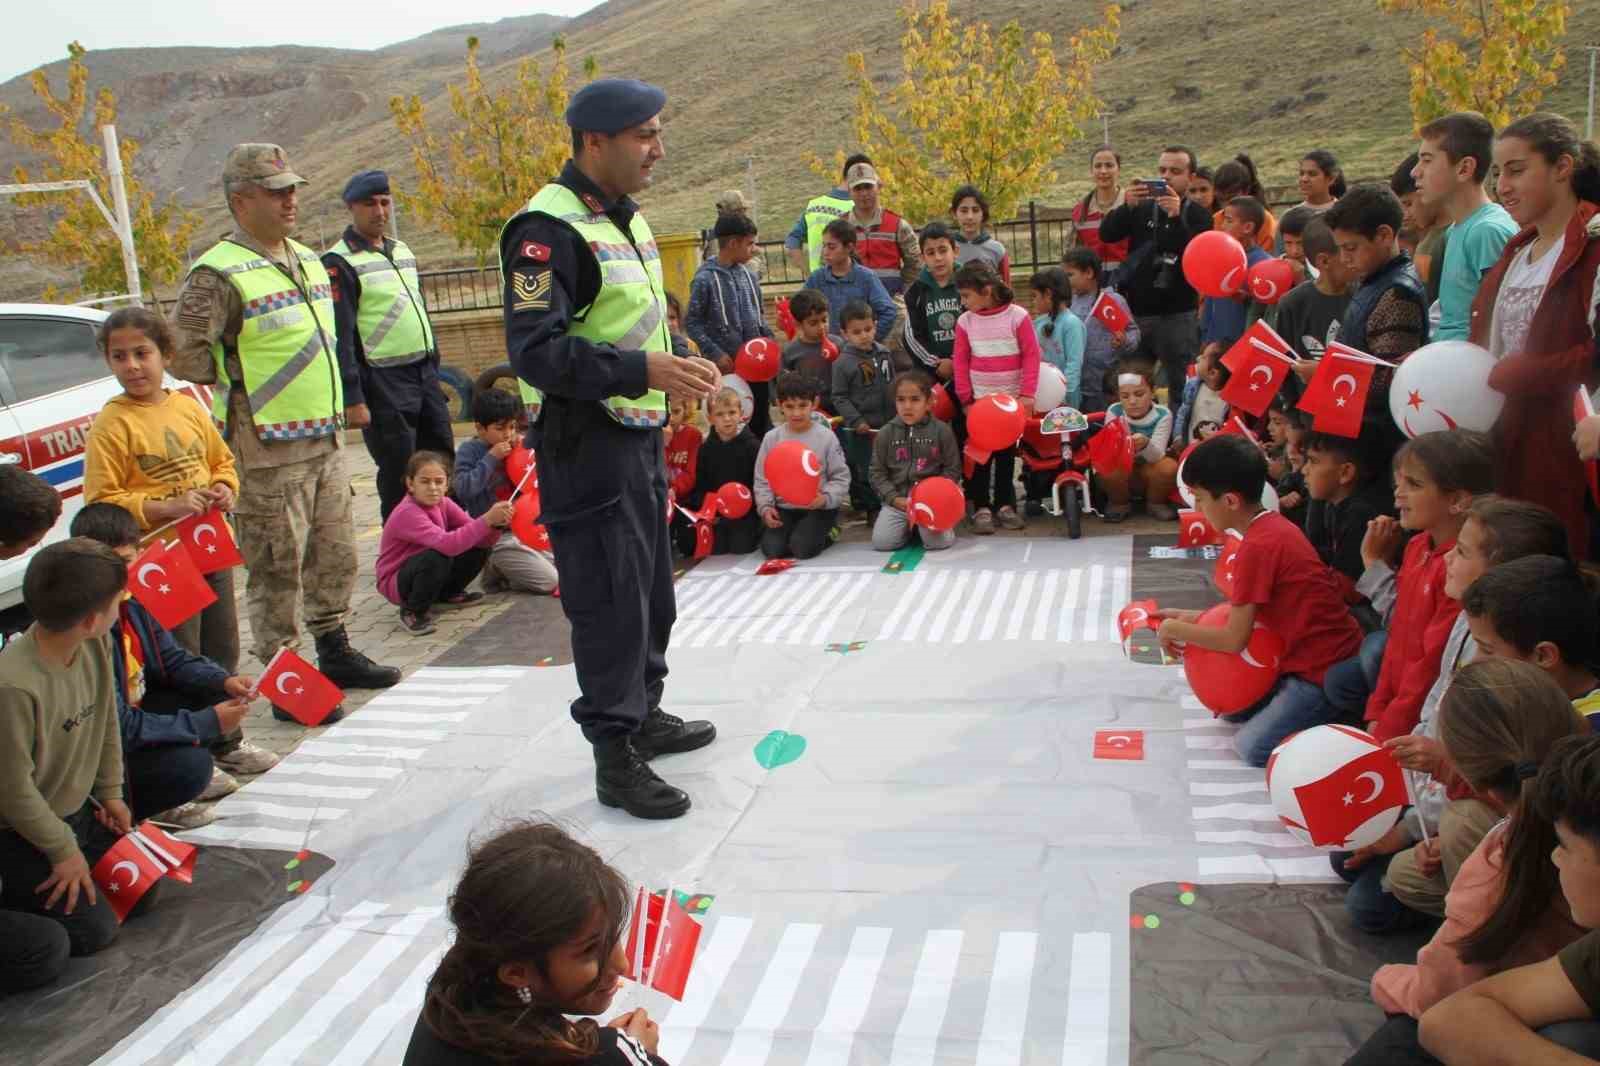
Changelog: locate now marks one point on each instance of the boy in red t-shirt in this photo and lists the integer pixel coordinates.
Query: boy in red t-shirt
(1278, 581)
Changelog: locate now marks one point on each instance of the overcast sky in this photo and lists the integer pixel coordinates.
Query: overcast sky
(40, 36)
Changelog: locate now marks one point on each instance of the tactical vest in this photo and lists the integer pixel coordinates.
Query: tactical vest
(390, 318)
(820, 211)
(878, 249)
(285, 344)
(629, 311)
(1398, 274)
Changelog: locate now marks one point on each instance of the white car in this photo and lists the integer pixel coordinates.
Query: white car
(53, 381)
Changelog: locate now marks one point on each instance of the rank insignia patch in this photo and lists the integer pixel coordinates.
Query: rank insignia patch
(530, 290)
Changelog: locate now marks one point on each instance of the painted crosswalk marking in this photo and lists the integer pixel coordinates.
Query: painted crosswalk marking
(752, 1040)
(847, 1003)
(917, 1039)
(1088, 1040)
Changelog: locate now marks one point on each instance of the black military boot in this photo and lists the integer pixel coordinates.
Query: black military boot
(621, 779)
(348, 668)
(667, 734)
(281, 715)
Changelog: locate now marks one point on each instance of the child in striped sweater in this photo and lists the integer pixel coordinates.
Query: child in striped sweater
(996, 351)
(1155, 473)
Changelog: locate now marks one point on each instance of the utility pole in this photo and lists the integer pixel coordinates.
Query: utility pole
(1588, 126)
(1105, 122)
(124, 220)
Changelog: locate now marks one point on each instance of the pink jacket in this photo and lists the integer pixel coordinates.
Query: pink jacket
(413, 529)
(1439, 971)
(996, 351)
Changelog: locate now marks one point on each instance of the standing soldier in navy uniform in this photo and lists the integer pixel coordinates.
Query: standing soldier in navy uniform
(586, 330)
(384, 332)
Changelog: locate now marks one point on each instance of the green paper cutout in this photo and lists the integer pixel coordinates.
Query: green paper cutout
(906, 559)
(845, 649)
(779, 748)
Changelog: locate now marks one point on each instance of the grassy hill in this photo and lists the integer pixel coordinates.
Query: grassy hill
(755, 85)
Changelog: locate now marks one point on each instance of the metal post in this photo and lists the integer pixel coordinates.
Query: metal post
(1105, 128)
(1588, 126)
(1033, 235)
(119, 201)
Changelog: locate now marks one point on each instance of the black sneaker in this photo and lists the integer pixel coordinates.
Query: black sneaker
(622, 779)
(417, 623)
(281, 715)
(1034, 509)
(348, 668)
(667, 734)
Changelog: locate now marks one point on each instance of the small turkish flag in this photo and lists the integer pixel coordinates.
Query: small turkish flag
(165, 581)
(296, 687)
(1260, 363)
(704, 539)
(124, 874)
(1583, 407)
(661, 954)
(1337, 393)
(774, 566)
(1111, 449)
(176, 856)
(209, 541)
(1336, 806)
(1111, 744)
(1108, 311)
(1195, 532)
(1236, 426)
(1139, 614)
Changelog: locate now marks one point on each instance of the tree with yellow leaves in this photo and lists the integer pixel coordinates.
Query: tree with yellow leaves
(1498, 58)
(79, 238)
(505, 145)
(991, 109)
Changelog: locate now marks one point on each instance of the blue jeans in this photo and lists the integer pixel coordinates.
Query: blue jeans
(1350, 683)
(1371, 907)
(1293, 704)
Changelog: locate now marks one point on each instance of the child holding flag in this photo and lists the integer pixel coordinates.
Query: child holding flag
(480, 479)
(1110, 330)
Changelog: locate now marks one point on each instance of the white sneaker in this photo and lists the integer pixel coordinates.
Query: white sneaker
(247, 758)
(221, 784)
(189, 816)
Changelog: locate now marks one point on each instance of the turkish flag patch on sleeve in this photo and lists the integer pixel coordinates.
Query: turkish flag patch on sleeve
(539, 253)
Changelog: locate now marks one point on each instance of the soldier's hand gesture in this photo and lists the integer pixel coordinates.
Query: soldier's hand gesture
(681, 379)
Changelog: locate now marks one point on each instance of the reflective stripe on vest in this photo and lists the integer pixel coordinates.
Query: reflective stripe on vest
(819, 212)
(285, 344)
(878, 249)
(628, 313)
(390, 318)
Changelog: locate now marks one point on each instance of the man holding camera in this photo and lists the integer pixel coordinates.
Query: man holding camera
(1158, 220)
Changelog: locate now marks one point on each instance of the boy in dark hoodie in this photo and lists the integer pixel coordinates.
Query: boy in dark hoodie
(1345, 495)
(728, 455)
(863, 398)
(725, 307)
(912, 446)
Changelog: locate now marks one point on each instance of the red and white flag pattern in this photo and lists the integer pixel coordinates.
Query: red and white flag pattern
(1107, 310)
(661, 942)
(1336, 395)
(1335, 806)
(1260, 363)
(298, 688)
(165, 581)
(1195, 532)
(209, 540)
(136, 862)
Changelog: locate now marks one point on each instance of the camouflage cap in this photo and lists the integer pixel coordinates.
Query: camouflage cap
(264, 164)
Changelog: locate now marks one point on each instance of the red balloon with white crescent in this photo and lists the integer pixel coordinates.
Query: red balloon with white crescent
(995, 422)
(1214, 264)
(942, 406)
(1228, 683)
(830, 350)
(525, 522)
(936, 503)
(1270, 279)
(794, 472)
(734, 500)
(759, 359)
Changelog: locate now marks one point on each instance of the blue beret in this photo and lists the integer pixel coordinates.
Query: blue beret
(612, 105)
(365, 184)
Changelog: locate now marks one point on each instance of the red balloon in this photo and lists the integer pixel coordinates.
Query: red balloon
(936, 503)
(995, 422)
(794, 472)
(1229, 683)
(525, 521)
(1214, 263)
(786, 320)
(759, 359)
(734, 500)
(517, 461)
(830, 350)
(943, 407)
(1270, 279)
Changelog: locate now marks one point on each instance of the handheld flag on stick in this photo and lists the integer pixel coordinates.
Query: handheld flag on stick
(209, 541)
(298, 688)
(165, 581)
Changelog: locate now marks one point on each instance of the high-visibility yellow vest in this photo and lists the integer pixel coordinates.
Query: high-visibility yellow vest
(285, 346)
(390, 318)
(820, 211)
(629, 312)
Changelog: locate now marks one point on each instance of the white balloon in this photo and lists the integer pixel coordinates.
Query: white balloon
(747, 399)
(1052, 389)
(1269, 495)
(1444, 385)
(1364, 793)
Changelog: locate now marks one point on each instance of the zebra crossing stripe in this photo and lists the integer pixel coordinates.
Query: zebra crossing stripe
(1208, 743)
(828, 621)
(263, 787)
(230, 836)
(1069, 610)
(921, 610)
(1024, 597)
(991, 622)
(450, 688)
(1041, 614)
(1249, 836)
(1119, 597)
(1238, 812)
(917, 1038)
(1225, 788)
(399, 1009)
(1219, 764)
(1258, 869)
(969, 618)
(734, 610)
(367, 971)
(818, 607)
(752, 1040)
(400, 697)
(355, 730)
(912, 594)
(1005, 1016)
(954, 600)
(1088, 1039)
(456, 673)
(852, 992)
(705, 981)
(351, 751)
(373, 713)
(328, 769)
(240, 805)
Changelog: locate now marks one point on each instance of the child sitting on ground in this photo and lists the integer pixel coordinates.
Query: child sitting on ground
(1155, 473)
(804, 353)
(1203, 410)
(480, 479)
(1394, 883)
(1278, 582)
(432, 549)
(1436, 477)
(1541, 610)
(1345, 497)
(1291, 485)
(61, 806)
(1102, 347)
(1061, 333)
(539, 921)
(863, 398)
(996, 352)
(682, 451)
(728, 456)
(912, 446)
(801, 530)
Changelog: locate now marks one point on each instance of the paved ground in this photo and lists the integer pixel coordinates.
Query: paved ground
(526, 629)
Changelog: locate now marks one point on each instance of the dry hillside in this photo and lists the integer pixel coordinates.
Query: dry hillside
(756, 84)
